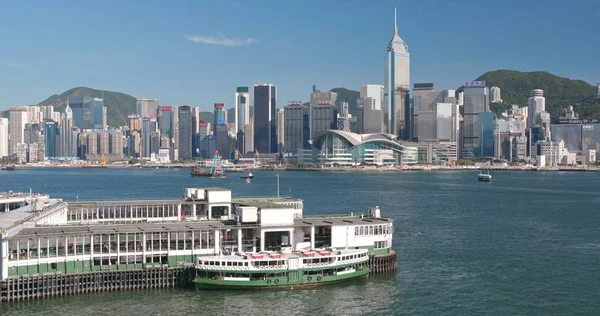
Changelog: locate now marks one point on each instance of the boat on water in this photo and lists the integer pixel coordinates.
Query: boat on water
(215, 171)
(199, 172)
(281, 270)
(485, 177)
(248, 175)
(8, 168)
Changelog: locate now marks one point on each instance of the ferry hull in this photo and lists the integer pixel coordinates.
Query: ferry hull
(210, 284)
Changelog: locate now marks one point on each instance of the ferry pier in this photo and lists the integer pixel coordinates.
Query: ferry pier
(50, 247)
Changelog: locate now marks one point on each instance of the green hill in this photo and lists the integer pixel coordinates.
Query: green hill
(118, 105)
(559, 92)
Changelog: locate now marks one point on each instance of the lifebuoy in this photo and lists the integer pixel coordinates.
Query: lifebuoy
(276, 281)
(268, 281)
(319, 278)
(309, 278)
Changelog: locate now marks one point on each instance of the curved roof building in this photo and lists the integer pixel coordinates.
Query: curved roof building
(335, 146)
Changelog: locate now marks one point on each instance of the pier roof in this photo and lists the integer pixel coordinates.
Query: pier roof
(191, 225)
(340, 220)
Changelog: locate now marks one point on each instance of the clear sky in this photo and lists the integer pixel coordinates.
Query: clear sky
(197, 52)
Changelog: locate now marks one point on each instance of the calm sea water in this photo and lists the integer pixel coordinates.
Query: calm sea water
(526, 243)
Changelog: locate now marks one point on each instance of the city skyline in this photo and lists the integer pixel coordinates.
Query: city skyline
(207, 44)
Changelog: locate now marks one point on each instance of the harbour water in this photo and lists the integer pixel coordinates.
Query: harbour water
(525, 243)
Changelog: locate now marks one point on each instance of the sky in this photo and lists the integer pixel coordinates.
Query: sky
(198, 52)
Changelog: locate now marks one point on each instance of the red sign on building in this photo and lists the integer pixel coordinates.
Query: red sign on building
(219, 105)
(165, 108)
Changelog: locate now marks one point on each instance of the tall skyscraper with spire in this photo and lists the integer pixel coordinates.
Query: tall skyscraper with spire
(397, 85)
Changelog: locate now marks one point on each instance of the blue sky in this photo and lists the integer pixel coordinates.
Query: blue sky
(197, 52)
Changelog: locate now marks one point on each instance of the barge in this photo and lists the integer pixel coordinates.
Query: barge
(51, 247)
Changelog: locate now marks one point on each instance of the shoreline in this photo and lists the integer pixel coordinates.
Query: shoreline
(335, 170)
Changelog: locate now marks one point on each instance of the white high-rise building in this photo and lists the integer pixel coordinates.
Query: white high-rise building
(537, 104)
(3, 137)
(147, 107)
(373, 91)
(495, 95)
(34, 114)
(397, 83)
(18, 118)
(47, 112)
(461, 98)
(242, 108)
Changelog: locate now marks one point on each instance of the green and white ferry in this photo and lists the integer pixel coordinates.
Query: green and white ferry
(277, 270)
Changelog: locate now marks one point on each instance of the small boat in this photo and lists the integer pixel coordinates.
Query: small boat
(248, 175)
(8, 168)
(486, 177)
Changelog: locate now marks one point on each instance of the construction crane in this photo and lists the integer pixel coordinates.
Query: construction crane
(101, 161)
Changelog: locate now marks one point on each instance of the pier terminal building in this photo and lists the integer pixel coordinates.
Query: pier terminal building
(50, 238)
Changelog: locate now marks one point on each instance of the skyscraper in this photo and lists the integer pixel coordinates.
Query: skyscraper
(397, 83)
(495, 95)
(323, 112)
(242, 108)
(280, 130)
(165, 122)
(370, 119)
(202, 136)
(185, 132)
(265, 118)
(296, 126)
(81, 108)
(18, 117)
(47, 112)
(148, 126)
(343, 118)
(98, 113)
(598, 90)
(486, 134)
(476, 100)
(249, 137)
(3, 137)
(50, 132)
(219, 116)
(375, 92)
(222, 141)
(537, 104)
(425, 100)
(147, 107)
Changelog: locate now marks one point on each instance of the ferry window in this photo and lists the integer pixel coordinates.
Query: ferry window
(370, 230)
(356, 231)
(362, 230)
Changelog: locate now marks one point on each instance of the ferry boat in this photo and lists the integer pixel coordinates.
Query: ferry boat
(281, 270)
(486, 177)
